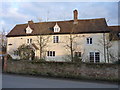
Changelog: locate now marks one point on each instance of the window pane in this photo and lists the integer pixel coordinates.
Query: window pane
(75, 54)
(91, 56)
(87, 40)
(97, 57)
(57, 39)
(90, 40)
(53, 39)
(30, 40)
(53, 53)
(27, 40)
(79, 54)
(50, 53)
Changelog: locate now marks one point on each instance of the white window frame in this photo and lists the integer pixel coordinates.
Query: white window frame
(29, 41)
(56, 28)
(51, 53)
(28, 30)
(94, 56)
(89, 40)
(55, 39)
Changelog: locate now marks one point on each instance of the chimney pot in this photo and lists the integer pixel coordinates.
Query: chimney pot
(30, 22)
(75, 16)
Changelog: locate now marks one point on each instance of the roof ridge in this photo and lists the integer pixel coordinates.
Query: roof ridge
(114, 26)
(64, 21)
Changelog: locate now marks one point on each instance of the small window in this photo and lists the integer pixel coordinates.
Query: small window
(56, 28)
(55, 39)
(29, 40)
(89, 40)
(28, 30)
(50, 53)
(16, 53)
(77, 54)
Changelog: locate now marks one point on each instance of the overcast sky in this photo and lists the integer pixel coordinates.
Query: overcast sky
(13, 13)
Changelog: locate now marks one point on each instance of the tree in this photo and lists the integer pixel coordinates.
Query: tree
(3, 41)
(107, 44)
(73, 43)
(42, 40)
(25, 52)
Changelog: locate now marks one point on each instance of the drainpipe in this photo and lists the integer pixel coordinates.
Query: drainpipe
(104, 47)
(118, 50)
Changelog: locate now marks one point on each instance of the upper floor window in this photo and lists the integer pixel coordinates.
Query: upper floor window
(29, 40)
(51, 53)
(55, 39)
(77, 54)
(89, 40)
(94, 57)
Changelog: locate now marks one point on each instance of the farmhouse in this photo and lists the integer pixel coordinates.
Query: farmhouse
(90, 40)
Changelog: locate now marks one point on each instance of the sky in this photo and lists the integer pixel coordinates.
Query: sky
(12, 12)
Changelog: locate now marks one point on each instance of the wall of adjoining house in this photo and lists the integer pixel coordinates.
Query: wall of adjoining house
(60, 48)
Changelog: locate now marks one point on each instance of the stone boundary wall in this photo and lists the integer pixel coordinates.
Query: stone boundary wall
(65, 69)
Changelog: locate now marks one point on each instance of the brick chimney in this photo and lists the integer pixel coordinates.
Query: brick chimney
(75, 12)
(30, 22)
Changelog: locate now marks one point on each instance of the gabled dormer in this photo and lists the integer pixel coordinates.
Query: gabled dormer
(28, 30)
(56, 28)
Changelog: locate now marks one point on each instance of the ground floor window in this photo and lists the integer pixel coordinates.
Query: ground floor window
(51, 53)
(77, 54)
(94, 57)
(16, 53)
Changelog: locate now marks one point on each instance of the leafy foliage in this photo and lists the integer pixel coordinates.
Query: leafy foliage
(77, 59)
(9, 57)
(25, 52)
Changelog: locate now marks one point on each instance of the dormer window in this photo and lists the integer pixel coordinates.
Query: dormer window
(56, 28)
(28, 30)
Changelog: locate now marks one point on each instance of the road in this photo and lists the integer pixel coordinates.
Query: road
(17, 81)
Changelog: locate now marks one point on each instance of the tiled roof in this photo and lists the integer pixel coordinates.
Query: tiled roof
(115, 28)
(66, 27)
(114, 34)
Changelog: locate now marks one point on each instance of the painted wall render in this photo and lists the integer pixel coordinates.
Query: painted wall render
(61, 49)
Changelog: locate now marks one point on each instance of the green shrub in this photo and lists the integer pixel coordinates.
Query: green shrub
(34, 72)
(77, 59)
